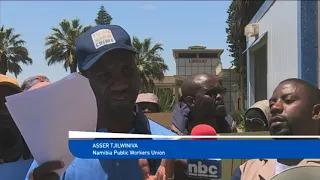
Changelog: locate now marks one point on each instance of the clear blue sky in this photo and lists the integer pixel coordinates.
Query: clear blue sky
(174, 24)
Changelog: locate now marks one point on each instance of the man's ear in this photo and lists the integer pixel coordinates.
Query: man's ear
(316, 112)
(189, 101)
(316, 116)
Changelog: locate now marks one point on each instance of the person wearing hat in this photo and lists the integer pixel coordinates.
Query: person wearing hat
(294, 111)
(107, 58)
(148, 102)
(34, 82)
(12, 145)
(256, 117)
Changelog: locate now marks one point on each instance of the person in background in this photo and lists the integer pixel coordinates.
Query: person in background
(294, 110)
(106, 57)
(148, 103)
(12, 145)
(256, 117)
(34, 82)
(201, 103)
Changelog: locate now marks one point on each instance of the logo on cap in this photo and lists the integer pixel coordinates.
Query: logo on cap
(102, 37)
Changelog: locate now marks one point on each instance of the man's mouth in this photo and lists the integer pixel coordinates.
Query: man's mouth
(279, 126)
(120, 99)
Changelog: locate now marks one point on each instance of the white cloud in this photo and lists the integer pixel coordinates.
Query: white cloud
(148, 7)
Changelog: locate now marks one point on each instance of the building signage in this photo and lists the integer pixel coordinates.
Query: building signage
(197, 61)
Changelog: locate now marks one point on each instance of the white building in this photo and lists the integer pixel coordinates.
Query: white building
(196, 59)
(282, 42)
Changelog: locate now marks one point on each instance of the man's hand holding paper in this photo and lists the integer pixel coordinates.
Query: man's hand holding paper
(67, 105)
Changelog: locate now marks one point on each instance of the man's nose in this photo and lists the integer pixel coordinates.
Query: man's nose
(276, 108)
(118, 85)
(219, 97)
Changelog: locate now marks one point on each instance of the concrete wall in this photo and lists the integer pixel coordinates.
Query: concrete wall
(229, 79)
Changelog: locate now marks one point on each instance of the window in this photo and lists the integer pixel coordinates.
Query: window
(187, 55)
(208, 55)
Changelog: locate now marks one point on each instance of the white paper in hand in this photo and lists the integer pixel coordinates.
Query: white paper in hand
(46, 115)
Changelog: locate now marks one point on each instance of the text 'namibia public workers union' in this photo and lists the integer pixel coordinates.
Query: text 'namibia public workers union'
(122, 149)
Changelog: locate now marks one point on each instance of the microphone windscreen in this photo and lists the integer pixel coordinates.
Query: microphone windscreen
(203, 130)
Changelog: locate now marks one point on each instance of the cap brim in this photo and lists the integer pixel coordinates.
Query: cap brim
(96, 58)
(157, 104)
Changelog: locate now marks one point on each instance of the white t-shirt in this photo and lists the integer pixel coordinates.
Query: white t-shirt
(281, 167)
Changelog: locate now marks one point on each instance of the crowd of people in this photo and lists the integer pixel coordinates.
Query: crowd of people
(106, 57)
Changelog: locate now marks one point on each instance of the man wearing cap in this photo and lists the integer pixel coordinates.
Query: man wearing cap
(257, 116)
(12, 145)
(148, 102)
(106, 57)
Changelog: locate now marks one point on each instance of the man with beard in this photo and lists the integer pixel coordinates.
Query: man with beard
(295, 110)
(201, 103)
(106, 57)
(12, 145)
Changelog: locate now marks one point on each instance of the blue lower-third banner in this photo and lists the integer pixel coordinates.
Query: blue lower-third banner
(194, 149)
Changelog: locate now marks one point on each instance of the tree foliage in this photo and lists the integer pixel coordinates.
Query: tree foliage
(103, 18)
(166, 98)
(149, 62)
(12, 52)
(240, 14)
(62, 44)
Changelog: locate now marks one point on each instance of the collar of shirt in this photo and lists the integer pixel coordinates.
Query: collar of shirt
(2, 161)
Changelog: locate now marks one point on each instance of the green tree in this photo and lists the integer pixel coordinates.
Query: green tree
(12, 52)
(103, 17)
(149, 62)
(166, 98)
(239, 15)
(62, 44)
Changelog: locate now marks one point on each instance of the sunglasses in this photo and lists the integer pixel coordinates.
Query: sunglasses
(255, 121)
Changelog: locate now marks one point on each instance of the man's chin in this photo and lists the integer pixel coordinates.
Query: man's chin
(121, 110)
(221, 110)
(282, 132)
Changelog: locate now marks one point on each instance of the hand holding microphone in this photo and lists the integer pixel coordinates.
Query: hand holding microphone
(209, 168)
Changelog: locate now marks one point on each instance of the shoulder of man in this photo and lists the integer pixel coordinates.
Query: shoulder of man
(250, 168)
(15, 170)
(252, 163)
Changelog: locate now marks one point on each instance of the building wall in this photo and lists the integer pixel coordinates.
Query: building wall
(280, 23)
(186, 67)
(229, 80)
(318, 34)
